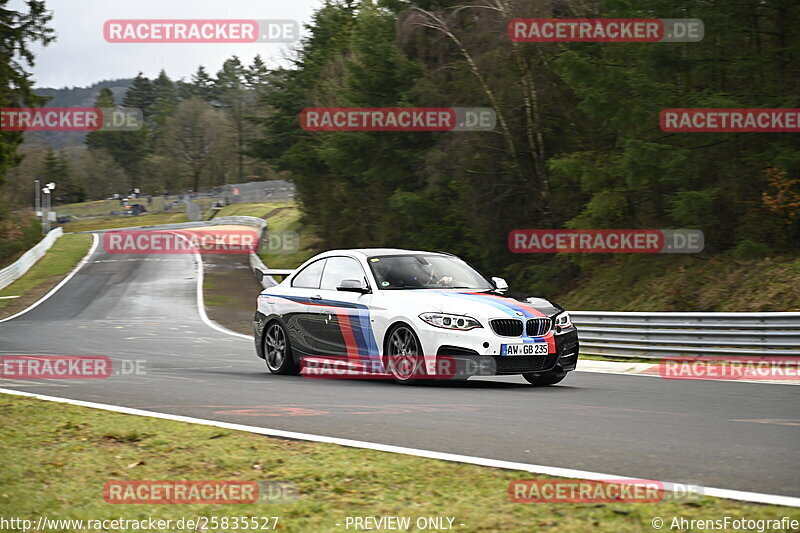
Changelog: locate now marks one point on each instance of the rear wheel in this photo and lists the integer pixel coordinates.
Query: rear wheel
(404, 355)
(277, 351)
(543, 380)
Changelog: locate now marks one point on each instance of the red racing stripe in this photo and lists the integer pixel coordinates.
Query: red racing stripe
(551, 342)
(511, 302)
(347, 333)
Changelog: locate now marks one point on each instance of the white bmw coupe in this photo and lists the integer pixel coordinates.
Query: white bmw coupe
(408, 315)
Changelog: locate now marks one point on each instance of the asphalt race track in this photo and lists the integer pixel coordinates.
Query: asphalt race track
(740, 436)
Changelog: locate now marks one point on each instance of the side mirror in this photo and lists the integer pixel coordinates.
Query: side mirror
(259, 274)
(500, 284)
(353, 285)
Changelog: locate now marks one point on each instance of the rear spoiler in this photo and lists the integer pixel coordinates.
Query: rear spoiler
(282, 272)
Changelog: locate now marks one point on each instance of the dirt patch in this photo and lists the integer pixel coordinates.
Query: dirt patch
(230, 291)
(16, 305)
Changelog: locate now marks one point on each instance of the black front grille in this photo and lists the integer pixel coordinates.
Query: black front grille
(521, 364)
(537, 327)
(507, 327)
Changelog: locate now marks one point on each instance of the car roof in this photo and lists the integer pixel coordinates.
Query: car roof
(372, 252)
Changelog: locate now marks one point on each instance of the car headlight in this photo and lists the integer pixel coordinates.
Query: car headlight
(443, 320)
(562, 320)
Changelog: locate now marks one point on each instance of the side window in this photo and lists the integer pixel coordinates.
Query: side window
(339, 268)
(309, 277)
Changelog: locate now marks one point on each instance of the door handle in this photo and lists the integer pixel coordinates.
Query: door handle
(317, 297)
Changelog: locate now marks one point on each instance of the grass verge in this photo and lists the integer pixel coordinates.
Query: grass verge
(59, 261)
(718, 283)
(288, 220)
(57, 459)
(283, 217)
(257, 209)
(111, 222)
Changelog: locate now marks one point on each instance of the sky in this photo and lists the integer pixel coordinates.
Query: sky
(80, 55)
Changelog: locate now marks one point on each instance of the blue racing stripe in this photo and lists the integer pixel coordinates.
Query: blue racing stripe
(360, 322)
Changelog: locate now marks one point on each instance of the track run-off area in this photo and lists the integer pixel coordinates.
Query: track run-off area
(145, 312)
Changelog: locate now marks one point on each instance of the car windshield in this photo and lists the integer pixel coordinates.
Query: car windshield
(425, 271)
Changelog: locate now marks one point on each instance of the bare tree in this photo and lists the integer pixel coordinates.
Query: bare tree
(194, 136)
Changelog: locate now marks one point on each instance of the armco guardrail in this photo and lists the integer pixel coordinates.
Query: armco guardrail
(15, 270)
(659, 335)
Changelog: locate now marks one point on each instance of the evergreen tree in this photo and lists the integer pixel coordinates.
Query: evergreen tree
(57, 169)
(230, 89)
(140, 95)
(165, 101)
(126, 148)
(19, 30)
(257, 75)
(202, 84)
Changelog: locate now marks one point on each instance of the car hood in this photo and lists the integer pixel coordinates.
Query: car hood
(476, 304)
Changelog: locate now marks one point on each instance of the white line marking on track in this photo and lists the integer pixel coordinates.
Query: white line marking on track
(95, 242)
(201, 306)
(494, 463)
(756, 497)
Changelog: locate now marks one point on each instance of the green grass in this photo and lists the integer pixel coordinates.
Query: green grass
(289, 220)
(258, 210)
(659, 283)
(57, 458)
(104, 207)
(282, 216)
(87, 209)
(619, 359)
(109, 222)
(214, 299)
(101, 223)
(59, 260)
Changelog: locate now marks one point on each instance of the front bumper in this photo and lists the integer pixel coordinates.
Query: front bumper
(478, 353)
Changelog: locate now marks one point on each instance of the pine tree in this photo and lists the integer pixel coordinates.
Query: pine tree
(140, 95)
(230, 88)
(126, 148)
(165, 101)
(58, 170)
(202, 84)
(105, 98)
(257, 75)
(19, 30)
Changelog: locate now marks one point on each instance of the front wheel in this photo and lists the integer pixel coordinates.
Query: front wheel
(543, 380)
(404, 355)
(277, 351)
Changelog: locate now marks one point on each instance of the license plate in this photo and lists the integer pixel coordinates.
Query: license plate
(531, 348)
